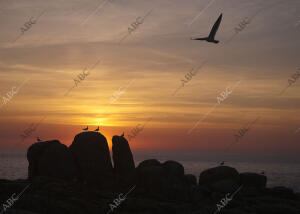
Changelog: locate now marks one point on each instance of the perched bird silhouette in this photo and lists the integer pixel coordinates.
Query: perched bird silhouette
(211, 36)
(38, 139)
(97, 129)
(262, 173)
(122, 135)
(85, 129)
(222, 163)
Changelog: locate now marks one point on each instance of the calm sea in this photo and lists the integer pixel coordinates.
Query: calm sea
(280, 172)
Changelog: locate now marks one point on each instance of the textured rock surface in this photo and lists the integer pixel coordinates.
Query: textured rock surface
(91, 152)
(52, 159)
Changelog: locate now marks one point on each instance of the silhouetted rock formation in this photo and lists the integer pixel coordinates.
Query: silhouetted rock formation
(165, 180)
(57, 197)
(150, 173)
(253, 180)
(51, 159)
(124, 167)
(173, 169)
(150, 162)
(92, 155)
(222, 179)
(284, 192)
(160, 187)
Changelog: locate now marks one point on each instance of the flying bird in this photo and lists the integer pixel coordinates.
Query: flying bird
(97, 129)
(122, 135)
(222, 163)
(38, 139)
(85, 129)
(211, 37)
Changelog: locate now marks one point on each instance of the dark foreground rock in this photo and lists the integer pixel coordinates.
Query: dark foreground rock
(124, 167)
(253, 180)
(50, 196)
(222, 179)
(52, 159)
(92, 156)
(164, 181)
(81, 180)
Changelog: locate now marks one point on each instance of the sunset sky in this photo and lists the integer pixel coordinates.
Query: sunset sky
(148, 66)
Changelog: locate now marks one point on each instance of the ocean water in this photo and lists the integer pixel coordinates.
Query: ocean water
(279, 173)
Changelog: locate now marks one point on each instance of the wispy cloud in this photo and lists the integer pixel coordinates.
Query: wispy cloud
(224, 95)
(135, 25)
(12, 93)
(241, 133)
(291, 81)
(188, 77)
(81, 77)
(28, 25)
(200, 13)
(100, 6)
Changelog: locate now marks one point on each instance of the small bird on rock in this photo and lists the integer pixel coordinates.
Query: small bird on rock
(122, 135)
(222, 163)
(38, 139)
(85, 129)
(97, 129)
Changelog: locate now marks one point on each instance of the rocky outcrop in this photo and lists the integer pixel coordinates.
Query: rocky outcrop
(253, 180)
(124, 167)
(51, 159)
(217, 174)
(56, 196)
(222, 179)
(91, 152)
(165, 180)
(284, 192)
(149, 175)
(173, 169)
(159, 188)
(148, 163)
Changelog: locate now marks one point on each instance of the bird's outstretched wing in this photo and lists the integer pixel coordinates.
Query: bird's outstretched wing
(215, 28)
(199, 38)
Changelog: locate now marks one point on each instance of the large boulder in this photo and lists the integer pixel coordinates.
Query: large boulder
(124, 167)
(224, 186)
(249, 179)
(149, 162)
(163, 181)
(91, 152)
(150, 174)
(173, 169)
(220, 179)
(175, 185)
(196, 194)
(50, 159)
(284, 192)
